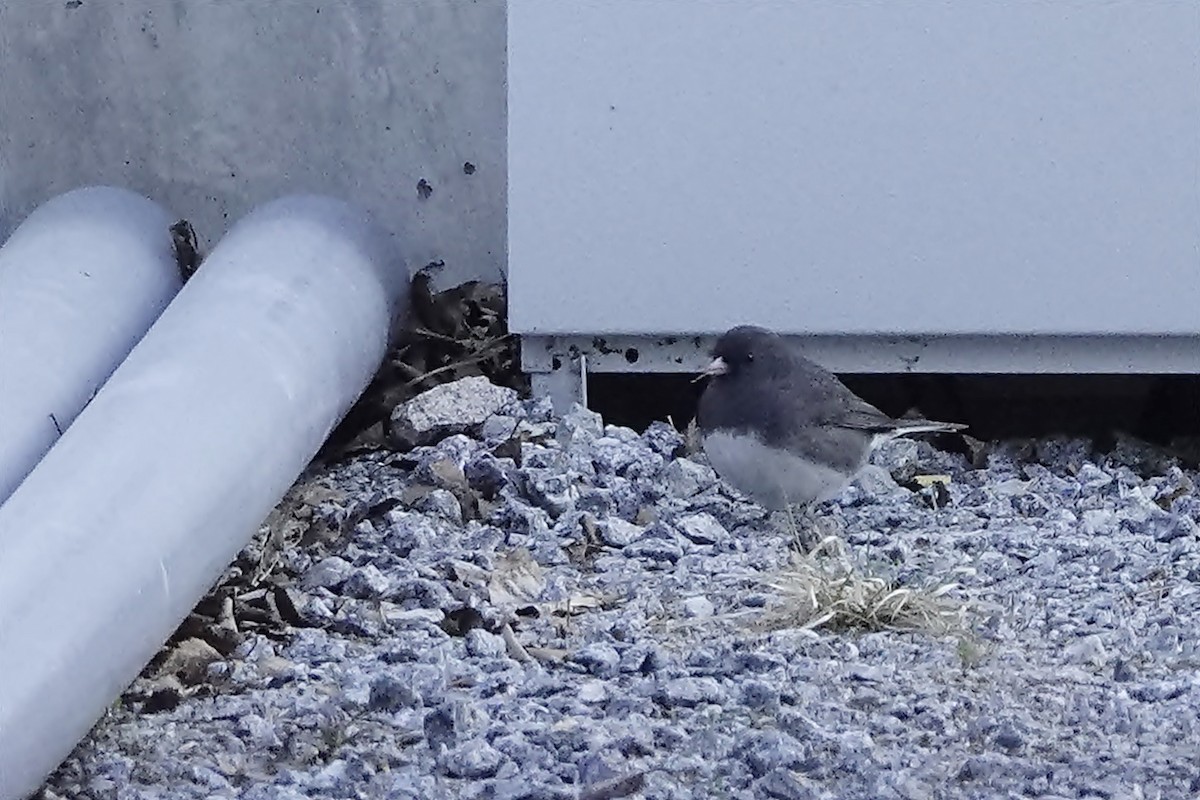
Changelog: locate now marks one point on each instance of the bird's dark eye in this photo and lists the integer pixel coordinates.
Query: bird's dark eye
(749, 356)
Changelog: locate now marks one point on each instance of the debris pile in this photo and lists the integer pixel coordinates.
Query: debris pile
(460, 332)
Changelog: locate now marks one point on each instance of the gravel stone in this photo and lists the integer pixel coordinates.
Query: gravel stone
(689, 692)
(488, 475)
(482, 644)
(498, 429)
(391, 695)
(551, 491)
(655, 548)
(698, 607)
(593, 692)
(702, 528)
(366, 583)
(664, 439)
(443, 505)
(685, 478)
(599, 659)
(453, 723)
(474, 759)
(461, 406)
(760, 696)
(328, 573)
(616, 532)
(256, 732)
(579, 427)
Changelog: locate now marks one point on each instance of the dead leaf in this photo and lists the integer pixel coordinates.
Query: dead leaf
(516, 650)
(552, 654)
(574, 605)
(189, 660)
(516, 580)
(925, 481)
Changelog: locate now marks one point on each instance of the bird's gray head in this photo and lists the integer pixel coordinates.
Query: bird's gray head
(746, 349)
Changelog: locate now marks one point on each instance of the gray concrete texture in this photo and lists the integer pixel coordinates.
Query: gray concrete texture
(212, 107)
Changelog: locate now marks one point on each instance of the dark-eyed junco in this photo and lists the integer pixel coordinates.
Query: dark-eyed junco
(783, 430)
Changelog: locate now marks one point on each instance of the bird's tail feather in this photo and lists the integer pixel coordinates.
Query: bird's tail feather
(906, 426)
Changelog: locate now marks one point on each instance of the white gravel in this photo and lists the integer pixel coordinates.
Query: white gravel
(600, 660)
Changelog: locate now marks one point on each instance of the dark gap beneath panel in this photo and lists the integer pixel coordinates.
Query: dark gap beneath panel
(1157, 408)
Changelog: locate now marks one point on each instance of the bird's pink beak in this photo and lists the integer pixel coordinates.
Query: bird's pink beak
(716, 367)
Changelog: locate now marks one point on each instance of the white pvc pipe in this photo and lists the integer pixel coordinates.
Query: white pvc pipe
(140, 506)
(81, 280)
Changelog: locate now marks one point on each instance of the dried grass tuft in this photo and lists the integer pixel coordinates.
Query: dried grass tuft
(825, 588)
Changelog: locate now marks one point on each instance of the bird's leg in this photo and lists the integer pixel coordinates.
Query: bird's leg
(801, 528)
(792, 529)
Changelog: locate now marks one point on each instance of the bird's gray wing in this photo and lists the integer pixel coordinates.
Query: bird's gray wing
(814, 415)
(818, 398)
(829, 402)
(863, 416)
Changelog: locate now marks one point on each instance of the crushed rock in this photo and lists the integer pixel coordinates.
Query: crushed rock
(560, 608)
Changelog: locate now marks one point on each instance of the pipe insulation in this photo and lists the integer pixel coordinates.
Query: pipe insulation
(81, 280)
(140, 506)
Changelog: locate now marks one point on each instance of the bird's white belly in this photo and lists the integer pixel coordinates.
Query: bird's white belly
(772, 478)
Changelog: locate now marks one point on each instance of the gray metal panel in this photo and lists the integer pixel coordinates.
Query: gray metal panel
(825, 167)
(212, 107)
(962, 354)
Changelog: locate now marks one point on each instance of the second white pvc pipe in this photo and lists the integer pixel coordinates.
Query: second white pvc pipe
(81, 280)
(166, 475)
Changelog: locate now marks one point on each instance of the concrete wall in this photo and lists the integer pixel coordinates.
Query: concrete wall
(214, 106)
